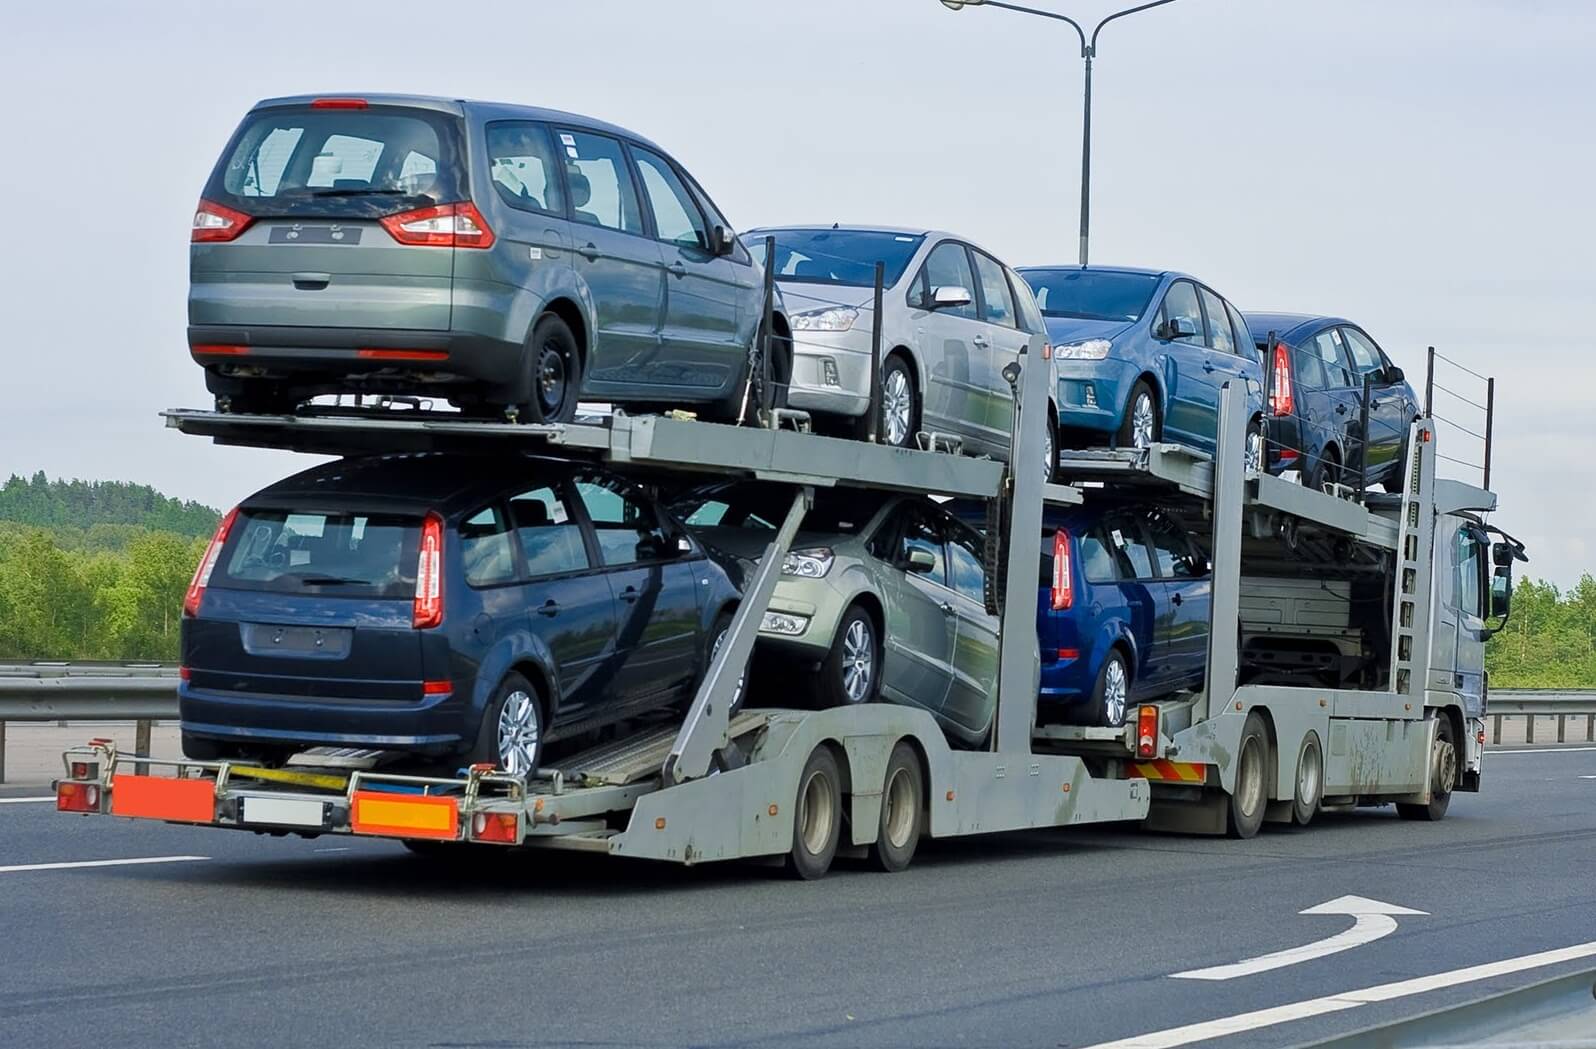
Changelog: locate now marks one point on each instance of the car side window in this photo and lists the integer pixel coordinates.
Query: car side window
(550, 539)
(628, 530)
(600, 182)
(1128, 542)
(1030, 313)
(948, 266)
(1098, 563)
(1245, 346)
(485, 549)
(923, 532)
(677, 219)
(521, 167)
(964, 563)
(997, 302)
(1180, 302)
(1219, 335)
(1365, 354)
(1310, 368)
(1171, 548)
(1327, 344)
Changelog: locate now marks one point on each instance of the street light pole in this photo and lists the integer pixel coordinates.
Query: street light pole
(1088, 53)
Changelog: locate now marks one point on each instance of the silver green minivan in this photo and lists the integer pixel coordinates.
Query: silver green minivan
(505, 258)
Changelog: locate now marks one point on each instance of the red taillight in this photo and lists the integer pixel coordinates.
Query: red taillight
(1280, 401)
(444, 226)
(496, 827)
(338, 103)
(184, 674)
(428, 611)
(1147, 732)
(1063, 593)
(214, 222)
(437, 688)
(202, 573)
(211, 349)
(77, 797)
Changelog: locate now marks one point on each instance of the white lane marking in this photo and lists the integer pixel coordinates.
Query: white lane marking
(75, 864)
(1543, 750)
(25, 801)
(1371, 920)
(1587, 777)
(1385, 992)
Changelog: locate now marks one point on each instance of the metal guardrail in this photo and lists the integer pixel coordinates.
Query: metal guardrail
(1534, 703)
(47, 690)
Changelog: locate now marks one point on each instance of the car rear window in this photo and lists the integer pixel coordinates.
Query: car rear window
(338, 554)
(1091, 295)
(357, 163)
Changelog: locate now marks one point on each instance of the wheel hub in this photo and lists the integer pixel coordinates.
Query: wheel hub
(1443, 775)
(896, 406)
(518, 734)
(858, 661)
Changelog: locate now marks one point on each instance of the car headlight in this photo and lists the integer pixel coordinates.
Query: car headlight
(782, 623)
(808, 564)
(1090, 350)
(833, 318)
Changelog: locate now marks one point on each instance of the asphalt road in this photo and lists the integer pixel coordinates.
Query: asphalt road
(1063, 938)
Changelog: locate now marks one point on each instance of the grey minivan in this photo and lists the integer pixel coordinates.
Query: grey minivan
(506, 258)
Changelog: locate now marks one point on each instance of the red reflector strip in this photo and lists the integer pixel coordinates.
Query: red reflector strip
(1069, 653)
(338, 103)
(1170, 771)
(160, 798)
(402, 816)
(437, 688)
(402, 355)
(213, 350)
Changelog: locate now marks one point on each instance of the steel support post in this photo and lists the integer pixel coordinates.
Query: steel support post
(766, 395)
(1490, 418)
(873, 425)
(1363, 436)
(141, 745)
(1224, 626)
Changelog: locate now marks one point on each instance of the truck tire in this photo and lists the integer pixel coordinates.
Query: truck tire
(1310, 781)
(1442, 773)
(902, 811)
(1251, 796)
(816, 816)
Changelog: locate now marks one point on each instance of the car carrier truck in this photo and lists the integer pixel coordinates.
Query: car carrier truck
(1275, 735)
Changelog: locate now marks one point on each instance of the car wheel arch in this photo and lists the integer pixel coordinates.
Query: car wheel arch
(575, 318)
(1156, 382)
(522, 654)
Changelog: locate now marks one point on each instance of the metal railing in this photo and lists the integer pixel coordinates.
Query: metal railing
(1535, 703)
(141, 692)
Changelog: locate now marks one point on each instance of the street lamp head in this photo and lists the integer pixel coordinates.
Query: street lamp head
(958, 5)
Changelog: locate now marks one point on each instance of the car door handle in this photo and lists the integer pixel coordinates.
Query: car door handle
(981, 341)
(677, 269)
(1341, 409)
(1208, 366)
(589, 251)
(1177, 599)
(550, 608)
(630, 594)
(947, 608)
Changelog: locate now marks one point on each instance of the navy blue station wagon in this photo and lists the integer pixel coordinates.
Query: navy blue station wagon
(442, 607)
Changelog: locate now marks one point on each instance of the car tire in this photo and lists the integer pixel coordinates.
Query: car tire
(1254, 455)
(1111, 692)
(1141, 425)
(902, 811)
(1443, 776)
(851, 672)
(198, 748)
(1247, 803)
(900, 404)
(510, 737)
(740, 407)
(258, 398)
(816, 816)
(554, 373)
(717, 637)
(1326, 469)
(1050, 447)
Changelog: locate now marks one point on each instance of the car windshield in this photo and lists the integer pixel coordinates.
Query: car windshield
(339, 554)
(843, 257)
(354, 162)
(1096, 295)
(762, 507)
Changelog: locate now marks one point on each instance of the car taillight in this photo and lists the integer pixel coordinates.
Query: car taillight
(1063, 595)
(428, 611)
(1147, 732)
(338, 103)
(1280, 401)
(499, 827)
(202, 572)
(213, 222)
(444, 226)
(77, 797)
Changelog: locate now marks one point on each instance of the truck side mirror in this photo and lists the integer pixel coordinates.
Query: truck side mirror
(1502, 592)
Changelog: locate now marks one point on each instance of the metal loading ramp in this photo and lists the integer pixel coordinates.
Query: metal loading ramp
(638, 758)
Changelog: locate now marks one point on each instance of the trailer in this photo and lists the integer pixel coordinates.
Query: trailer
(870, 780)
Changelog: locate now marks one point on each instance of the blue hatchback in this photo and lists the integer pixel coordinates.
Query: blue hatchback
(1140, 356)
(1121, 612)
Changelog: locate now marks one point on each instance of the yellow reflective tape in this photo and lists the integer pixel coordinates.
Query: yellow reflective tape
(409, 815)
(320, 780)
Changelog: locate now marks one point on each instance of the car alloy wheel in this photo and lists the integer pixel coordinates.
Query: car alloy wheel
(1115, 690)
(1144, 419)
(858, 661)
(897, 406)
(1253, 460)
(519, 733)
(737, 696)
(1049, 455)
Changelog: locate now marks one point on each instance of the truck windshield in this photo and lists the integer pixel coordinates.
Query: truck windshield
(843, 257)
(342, 554)
(1099, 295)
(357, 163)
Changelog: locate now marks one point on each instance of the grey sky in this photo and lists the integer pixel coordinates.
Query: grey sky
(1424, 168)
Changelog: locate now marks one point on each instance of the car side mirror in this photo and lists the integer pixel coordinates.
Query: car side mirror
(684, 545)
(950, 296)
(722, 241)
(1178, 328)
(1394, 375)
(921, 561)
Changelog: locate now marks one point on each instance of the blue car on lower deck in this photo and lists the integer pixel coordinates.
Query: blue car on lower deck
(1121, 613)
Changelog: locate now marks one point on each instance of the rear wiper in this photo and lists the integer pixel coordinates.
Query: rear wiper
(329, 580)
(368, 192)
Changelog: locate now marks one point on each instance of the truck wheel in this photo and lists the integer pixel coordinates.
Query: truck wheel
(902, 811)
(1251, 796)
(1111, 694)
(817, 817)
(1443, 776)
(1310, 781)
(511, 735)
(851, 672)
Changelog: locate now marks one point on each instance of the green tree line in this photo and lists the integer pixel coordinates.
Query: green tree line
(98, 512)
(1549, 640)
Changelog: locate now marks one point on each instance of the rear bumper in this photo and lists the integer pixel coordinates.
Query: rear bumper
(434, 725)
(313, 361)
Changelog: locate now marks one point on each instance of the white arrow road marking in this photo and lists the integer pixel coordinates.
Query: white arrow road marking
(1371, 920)
(75, 864)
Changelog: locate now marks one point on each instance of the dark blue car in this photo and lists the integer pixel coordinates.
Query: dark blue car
(442, 608)
(1140, 356)
(1317, 398)
(1121, 613)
